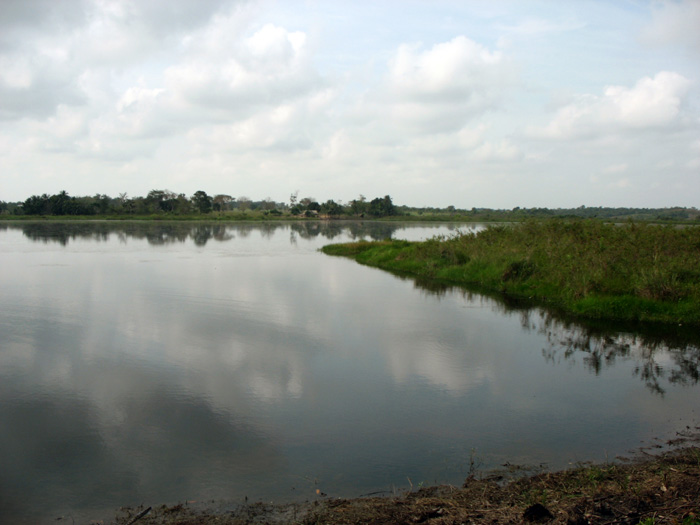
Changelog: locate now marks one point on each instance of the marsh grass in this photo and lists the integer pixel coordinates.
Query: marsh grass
(632, 271)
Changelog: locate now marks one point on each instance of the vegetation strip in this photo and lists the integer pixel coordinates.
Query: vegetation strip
(630, 272)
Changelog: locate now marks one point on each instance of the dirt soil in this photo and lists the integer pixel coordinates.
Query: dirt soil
(651, 489)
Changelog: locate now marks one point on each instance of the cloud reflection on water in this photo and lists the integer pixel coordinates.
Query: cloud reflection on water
(255, 365)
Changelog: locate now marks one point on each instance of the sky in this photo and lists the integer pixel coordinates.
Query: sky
(497, 103)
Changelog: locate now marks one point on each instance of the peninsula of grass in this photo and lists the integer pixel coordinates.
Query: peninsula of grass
(631, 272)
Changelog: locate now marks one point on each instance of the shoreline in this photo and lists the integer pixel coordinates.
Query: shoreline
(647, 488)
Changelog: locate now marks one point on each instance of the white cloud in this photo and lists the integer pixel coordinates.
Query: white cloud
(451, 69)
(470, 137)
(652, 103)
(441, 88)
(257, 96)
(35, 84)
(137, 96)
(47, 47)
(616, 168)
(274, 128)
(233, 81)
(500, 151)
(675, 23)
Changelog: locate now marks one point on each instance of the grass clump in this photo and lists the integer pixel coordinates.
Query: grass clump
(633, 271)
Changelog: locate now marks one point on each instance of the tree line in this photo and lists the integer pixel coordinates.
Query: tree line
(165, 202)
(168, 203)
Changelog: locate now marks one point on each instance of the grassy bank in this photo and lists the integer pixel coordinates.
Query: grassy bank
(631, 272)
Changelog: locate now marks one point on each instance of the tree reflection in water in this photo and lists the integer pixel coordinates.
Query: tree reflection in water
(160, 233)
(661, 354)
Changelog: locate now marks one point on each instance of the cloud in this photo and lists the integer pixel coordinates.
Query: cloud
(616, 168)
(652, 103)
(694, 162)
(500, 151)
(675, 23)
(276, 128)
(19, 17)
(219, 93)
(34, 85)
(47, 47)
(122, 32)
(269, 68)
(440, 89)
(257, 90)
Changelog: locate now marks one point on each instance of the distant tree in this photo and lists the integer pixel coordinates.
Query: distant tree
(165, 201)
(222, 202)
(268, 204)
(389, 206)
(123, 204)
(154, 200)
(306, 201)
(359, 206)
(59, 204)
(331, 208)
(243, 203)
(176, 202)
(13, 208)
(202, 202)
(36, 205)
(101, 204)
(180, 204)
(137, 206)
(381, 207)
(85, 205)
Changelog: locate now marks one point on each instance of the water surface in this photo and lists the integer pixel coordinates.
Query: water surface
(158, 363)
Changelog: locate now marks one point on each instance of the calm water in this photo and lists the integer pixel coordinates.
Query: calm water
(160, 363)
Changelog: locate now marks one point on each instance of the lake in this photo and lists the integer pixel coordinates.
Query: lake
(168, 362)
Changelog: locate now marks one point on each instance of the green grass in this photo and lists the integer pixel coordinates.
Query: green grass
(633, 272)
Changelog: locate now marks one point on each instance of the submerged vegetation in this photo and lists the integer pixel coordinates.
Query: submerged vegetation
(632, 272)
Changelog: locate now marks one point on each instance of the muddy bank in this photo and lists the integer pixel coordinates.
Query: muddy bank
(649, 488)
